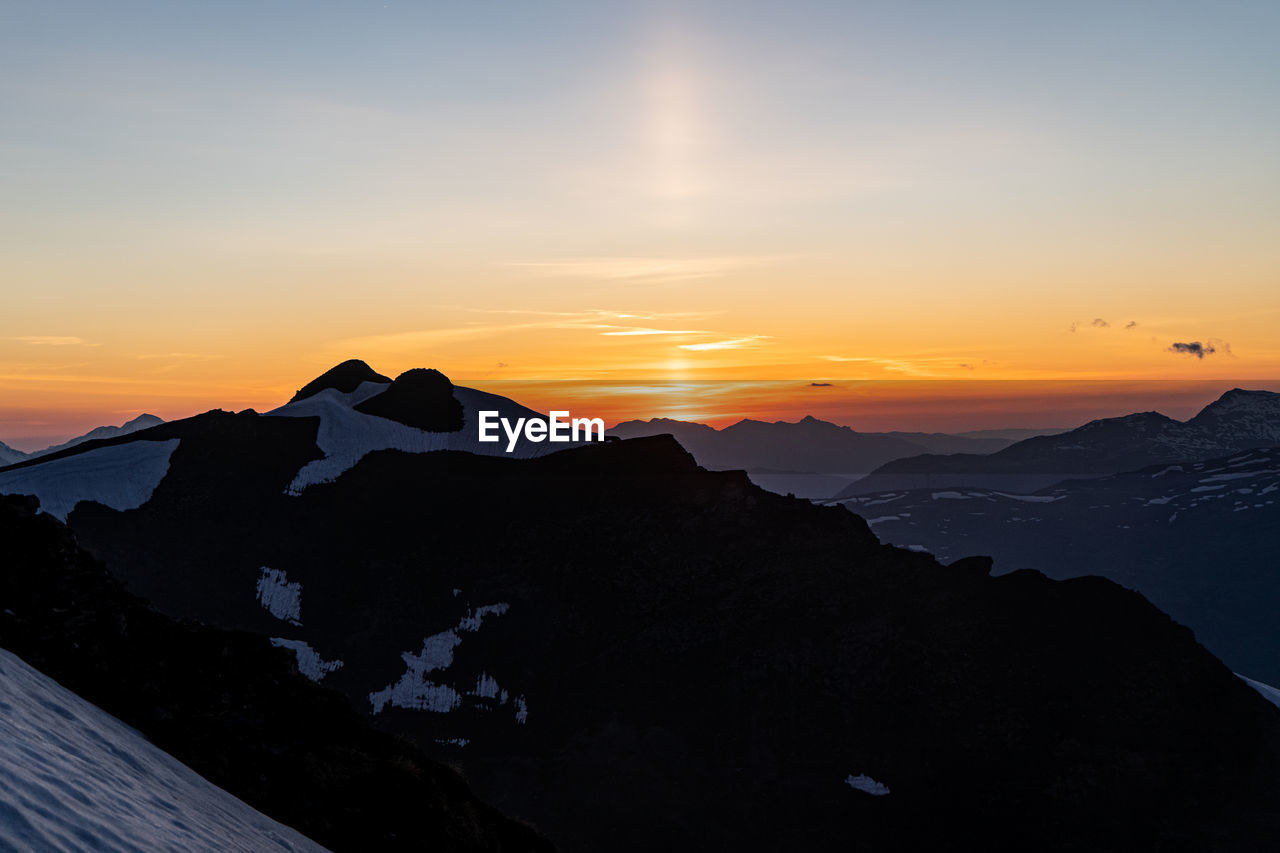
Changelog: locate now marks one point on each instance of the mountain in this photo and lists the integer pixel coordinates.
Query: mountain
(635, 653)
(1201, 540)
(229, 705)
(343, 378)
(810, 458)
(141, 422)
(1239, 420)
(331, 428)
(1243, 418)
(9, 455)
(74, 775)
(1011, 435)
(941, 442)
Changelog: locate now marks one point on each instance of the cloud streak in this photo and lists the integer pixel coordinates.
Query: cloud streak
(53, 341)
(734, 343)
(638, 331)
(642, 270)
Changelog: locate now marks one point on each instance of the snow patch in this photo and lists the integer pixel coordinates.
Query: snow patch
(281, 599)
(865, 783)
(413, 690)
(346, 436)
(1238, 475)
(122, 476)
(1268, 692)
(1032, 499)
(72, 777)
(309, 662)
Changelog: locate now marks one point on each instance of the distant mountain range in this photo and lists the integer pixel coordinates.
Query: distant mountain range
(811, 458)
(635, 653)
(10, 456)
(1200, 539)
(1238, 420)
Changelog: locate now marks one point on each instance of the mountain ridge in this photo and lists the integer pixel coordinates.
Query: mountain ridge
(1237, 420)
(687, 659)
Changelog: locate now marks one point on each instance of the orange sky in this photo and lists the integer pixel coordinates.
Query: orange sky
(208, 207)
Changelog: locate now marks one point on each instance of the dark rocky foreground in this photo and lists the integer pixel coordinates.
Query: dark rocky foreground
(231, 706)
(652, 656)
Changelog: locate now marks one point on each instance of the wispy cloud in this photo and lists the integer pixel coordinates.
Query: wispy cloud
(53, 341)
(177, 356)
(734, 343)
(641, 331)
(914, 366)
(642, 270)
(1096, 322)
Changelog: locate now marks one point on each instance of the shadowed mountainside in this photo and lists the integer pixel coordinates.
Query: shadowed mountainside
(231, 706)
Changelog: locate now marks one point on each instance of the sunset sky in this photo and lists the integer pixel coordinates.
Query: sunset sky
(207, 204)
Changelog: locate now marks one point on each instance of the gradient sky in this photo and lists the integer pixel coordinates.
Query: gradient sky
(206, 204)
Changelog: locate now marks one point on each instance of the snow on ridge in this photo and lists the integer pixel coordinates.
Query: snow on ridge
(472, 621)
(1268, 692)
(416, 692)
(310, 663)
(865, 783)
(346, 436)
(120, 476)
(72, 776)
(280, 598)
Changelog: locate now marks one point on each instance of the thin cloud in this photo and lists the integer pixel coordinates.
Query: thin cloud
(1132, 324)
(1095, 323)
(734, 343)
(641, 270)
(178, 356)
(53, 341)
(821, 385)
(639, 331)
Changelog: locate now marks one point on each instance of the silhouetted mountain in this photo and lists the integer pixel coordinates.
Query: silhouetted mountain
(1201, 540)
(1012, 435)
(639, 654)
(419, 398)
(1239, 420)
(230, 705)
(941, 442)
(811, 457)
(141, 422)
(343, 378)
(9, 455)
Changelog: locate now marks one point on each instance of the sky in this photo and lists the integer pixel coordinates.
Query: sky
(209, 204)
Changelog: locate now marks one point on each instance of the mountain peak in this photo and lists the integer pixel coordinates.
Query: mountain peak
(142, 421)
(421, 398)
(1250, 416)
(345, 378)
